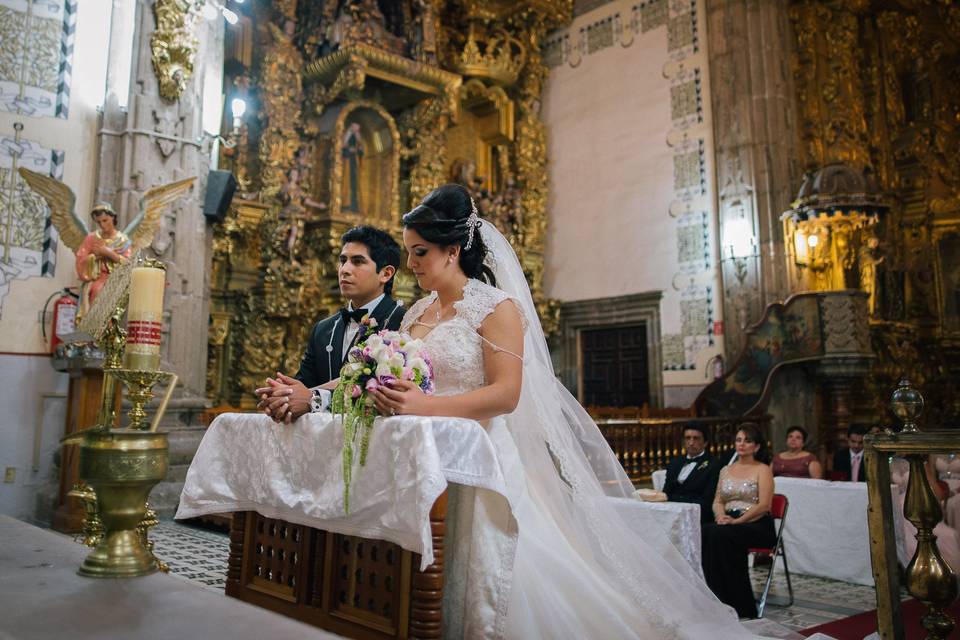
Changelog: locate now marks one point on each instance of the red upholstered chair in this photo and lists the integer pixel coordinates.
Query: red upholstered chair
(838, 476)
(778, 509)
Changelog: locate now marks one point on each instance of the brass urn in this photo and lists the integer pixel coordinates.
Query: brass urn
(122, 466)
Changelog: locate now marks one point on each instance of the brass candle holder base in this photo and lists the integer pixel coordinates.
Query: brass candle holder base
(121, 554)
(140, 383)
(122, 466)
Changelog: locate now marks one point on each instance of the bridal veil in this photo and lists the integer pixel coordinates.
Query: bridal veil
(570, 474)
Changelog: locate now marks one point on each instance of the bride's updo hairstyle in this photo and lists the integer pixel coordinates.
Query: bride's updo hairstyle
(444, 218)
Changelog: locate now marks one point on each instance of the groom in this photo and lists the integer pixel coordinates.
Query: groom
(368, 261)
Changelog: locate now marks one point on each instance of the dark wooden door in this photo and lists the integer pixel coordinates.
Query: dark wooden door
(614, 370)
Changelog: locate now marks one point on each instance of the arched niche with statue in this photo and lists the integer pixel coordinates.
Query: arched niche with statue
(358, 163)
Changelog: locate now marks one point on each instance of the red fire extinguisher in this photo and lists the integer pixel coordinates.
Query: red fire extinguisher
(64, 317)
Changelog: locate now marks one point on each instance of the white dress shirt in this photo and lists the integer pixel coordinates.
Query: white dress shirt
(858, 458)
(350, 331)
(349, 335)
(688, 468)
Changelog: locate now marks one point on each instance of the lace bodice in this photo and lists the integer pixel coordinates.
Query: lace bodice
(454, 345)
(735, 493)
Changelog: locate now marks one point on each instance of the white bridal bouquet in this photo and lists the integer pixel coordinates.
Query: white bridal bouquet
(379, 359)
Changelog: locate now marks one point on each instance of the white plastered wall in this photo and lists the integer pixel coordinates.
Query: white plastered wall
(32, 394)
(632, 190)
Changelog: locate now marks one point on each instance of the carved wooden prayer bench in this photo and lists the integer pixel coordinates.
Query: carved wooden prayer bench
(355, 587)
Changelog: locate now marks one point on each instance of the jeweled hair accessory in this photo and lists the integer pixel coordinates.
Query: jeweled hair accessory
(472, 223)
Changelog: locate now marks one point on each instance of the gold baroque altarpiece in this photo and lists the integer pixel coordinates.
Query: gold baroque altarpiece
(361, 109)
(878, 94)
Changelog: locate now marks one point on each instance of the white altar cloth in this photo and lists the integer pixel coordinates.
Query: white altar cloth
(246, 462)
(826, 532)
(679, 520)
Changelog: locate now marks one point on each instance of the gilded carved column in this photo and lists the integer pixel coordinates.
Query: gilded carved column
(531, 157)
(281, 93)
(833, 125)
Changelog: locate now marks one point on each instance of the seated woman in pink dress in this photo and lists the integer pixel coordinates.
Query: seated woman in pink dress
(795, 462)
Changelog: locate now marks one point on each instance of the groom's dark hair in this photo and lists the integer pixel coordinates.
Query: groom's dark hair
(443, 218)
(383, 249)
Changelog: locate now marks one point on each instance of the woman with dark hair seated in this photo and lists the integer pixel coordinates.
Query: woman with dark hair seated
(795, 462)
(741, 509)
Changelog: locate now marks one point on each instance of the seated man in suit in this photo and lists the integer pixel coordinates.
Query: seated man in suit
(849, 461)
(693, 477)
(368, 261)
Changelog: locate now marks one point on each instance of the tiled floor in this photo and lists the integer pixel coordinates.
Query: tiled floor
(196, 554)
(201, 556)
(816, 600)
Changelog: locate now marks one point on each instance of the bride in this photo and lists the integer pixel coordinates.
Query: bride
(557, 561)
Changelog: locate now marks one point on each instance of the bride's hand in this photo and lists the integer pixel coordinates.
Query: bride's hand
(401, 397)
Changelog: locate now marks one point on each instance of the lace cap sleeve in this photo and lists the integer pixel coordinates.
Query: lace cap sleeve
(479, 301)
(415, 311)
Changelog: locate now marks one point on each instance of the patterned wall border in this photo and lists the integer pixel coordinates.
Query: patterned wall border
(23, 263)
(50, 237)
(65, 76)
(678, 16)
(49, 47)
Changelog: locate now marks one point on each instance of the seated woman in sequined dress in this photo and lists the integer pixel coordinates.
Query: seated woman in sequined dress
(796, 462)
(741, 510)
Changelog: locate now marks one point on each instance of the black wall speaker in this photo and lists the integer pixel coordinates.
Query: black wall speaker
(220, 188)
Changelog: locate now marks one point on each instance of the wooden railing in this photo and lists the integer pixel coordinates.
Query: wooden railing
(928, 578)
(644, 445)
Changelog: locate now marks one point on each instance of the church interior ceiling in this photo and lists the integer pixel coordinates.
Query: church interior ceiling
(360, 108)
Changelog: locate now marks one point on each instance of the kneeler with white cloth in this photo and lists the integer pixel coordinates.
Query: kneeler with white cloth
(376, 572)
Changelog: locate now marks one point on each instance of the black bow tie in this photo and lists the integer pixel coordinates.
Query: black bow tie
(356, 315)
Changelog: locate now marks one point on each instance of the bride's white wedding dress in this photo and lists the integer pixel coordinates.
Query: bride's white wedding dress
(557, 561)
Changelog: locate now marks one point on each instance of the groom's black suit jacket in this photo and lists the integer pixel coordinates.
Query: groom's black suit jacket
(318, 365)
(699, 487)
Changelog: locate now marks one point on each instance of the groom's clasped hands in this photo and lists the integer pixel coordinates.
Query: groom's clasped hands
(285, 399)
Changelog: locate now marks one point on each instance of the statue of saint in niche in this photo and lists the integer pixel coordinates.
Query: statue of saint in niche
(351, 150)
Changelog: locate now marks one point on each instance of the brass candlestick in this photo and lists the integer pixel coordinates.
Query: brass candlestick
(121, 466)
(140, 383)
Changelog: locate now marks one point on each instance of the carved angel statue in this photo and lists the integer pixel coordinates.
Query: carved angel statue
(100, 249)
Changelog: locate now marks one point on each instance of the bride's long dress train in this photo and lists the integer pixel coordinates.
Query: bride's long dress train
(554, 560)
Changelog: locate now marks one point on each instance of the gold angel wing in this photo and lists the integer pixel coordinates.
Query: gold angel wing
(61, 201)
(144, 227)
